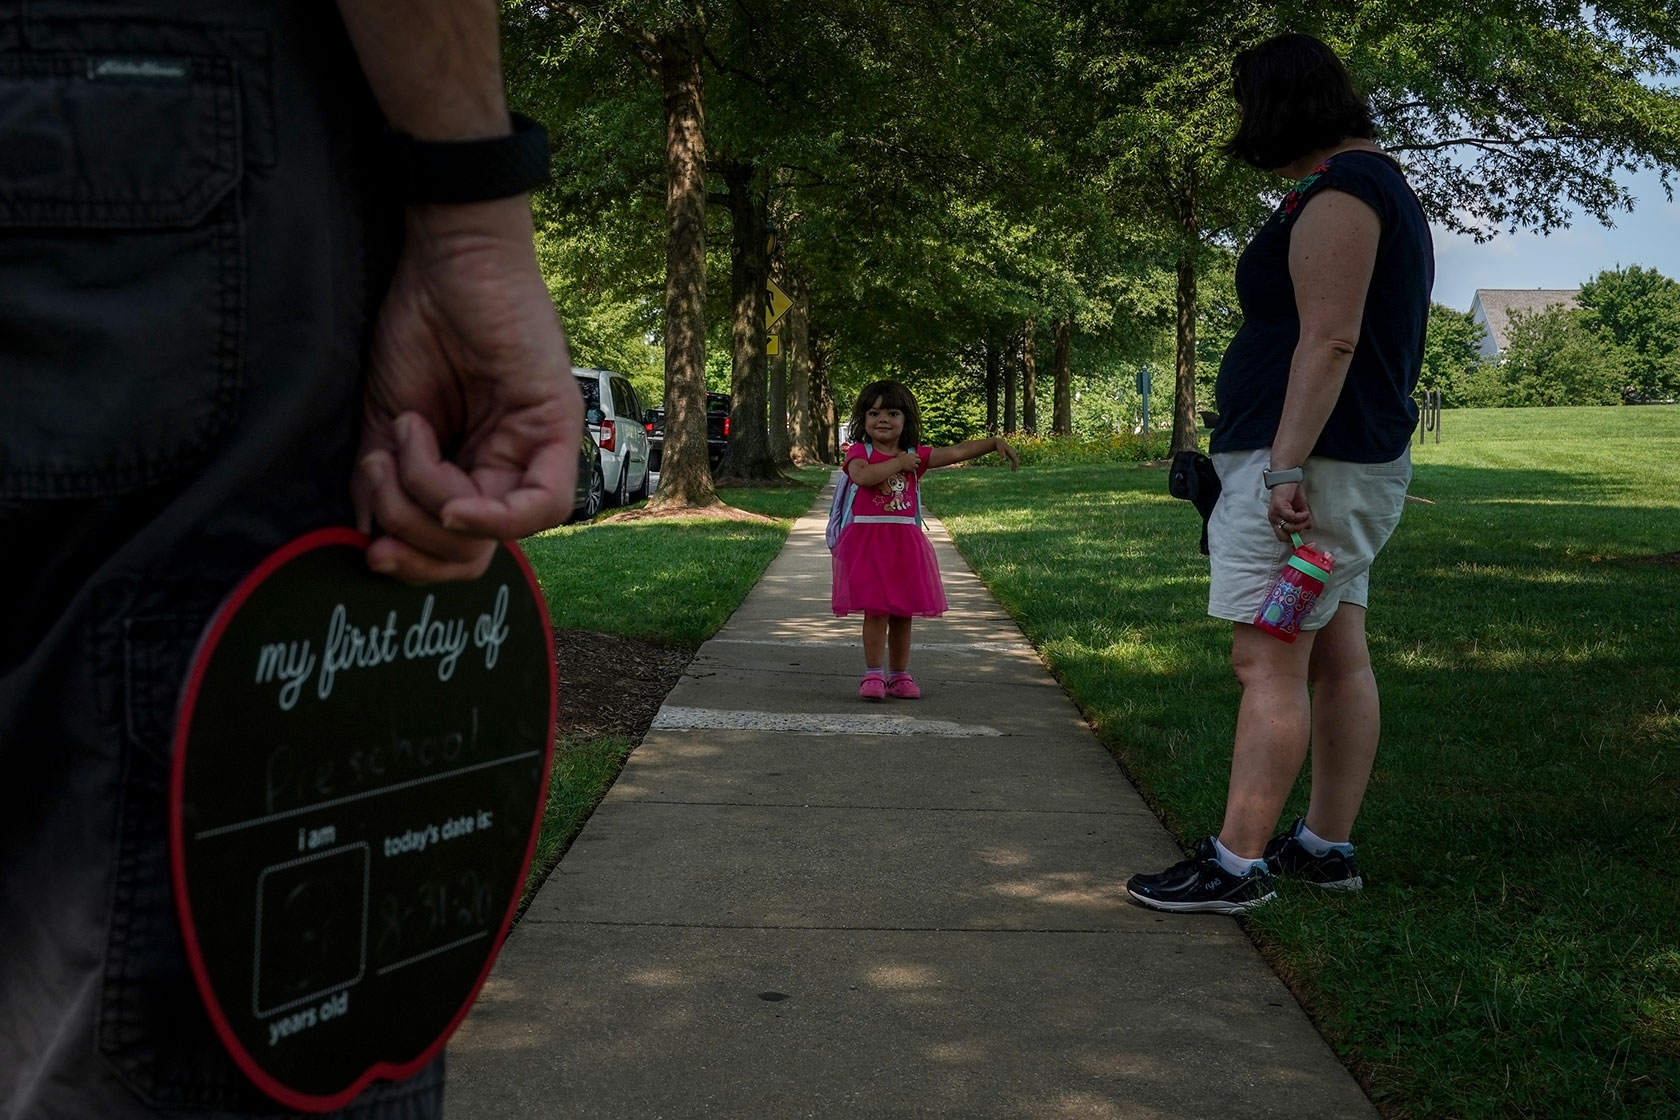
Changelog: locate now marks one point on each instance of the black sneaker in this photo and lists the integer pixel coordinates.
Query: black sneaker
(1200, 885)
(1334, 870)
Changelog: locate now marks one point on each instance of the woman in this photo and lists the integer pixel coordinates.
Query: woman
(1315, 421)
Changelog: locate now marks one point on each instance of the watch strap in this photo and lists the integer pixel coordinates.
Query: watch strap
(456, 171)
(1278, 478)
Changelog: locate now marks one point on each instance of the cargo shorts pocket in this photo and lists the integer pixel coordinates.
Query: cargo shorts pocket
(121, 270)
(153, 1032)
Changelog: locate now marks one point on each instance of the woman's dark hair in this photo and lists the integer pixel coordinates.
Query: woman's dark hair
(891, 395)
(1296, 98)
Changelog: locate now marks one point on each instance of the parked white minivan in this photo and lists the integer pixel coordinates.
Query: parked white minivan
(615, 418)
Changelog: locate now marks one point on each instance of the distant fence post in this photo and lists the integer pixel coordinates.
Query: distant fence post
(1429, 415)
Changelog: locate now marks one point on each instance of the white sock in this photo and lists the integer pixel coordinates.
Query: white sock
(1230, 860)
(894, 674)
(1318, 845)
(876, 672)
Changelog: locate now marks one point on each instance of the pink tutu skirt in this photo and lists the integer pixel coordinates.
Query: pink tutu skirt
(887, 569)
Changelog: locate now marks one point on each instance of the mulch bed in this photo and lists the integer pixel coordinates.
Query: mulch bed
(611, 685)
(717, 511)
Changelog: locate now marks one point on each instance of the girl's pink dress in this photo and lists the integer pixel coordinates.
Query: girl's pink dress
(883, 563)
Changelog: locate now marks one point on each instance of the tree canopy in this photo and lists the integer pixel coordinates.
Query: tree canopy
(957, 187)
(1451, 355)
(1638, 310)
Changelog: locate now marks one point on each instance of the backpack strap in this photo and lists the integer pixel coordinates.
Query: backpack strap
(919, 524)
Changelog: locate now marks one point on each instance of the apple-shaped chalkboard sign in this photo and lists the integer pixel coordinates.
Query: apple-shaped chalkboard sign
(359, 772)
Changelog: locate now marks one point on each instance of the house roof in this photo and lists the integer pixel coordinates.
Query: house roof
(1498, 303)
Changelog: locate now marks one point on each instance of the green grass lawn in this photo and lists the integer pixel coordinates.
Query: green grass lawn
(674, 582)
(1518, 950)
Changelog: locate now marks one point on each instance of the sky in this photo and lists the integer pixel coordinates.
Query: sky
(1650, 236)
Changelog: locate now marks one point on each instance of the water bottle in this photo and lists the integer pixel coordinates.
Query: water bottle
(1296, 592)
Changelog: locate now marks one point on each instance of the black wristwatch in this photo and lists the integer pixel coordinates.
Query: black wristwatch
(453, 171)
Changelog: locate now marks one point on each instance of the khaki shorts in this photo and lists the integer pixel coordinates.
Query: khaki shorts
(1355, 507)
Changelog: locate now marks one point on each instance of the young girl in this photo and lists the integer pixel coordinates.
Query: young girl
(883, 565)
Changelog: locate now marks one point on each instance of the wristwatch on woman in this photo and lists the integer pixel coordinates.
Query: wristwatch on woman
(1277, 478)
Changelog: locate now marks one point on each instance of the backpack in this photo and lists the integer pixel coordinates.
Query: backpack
(840, 509)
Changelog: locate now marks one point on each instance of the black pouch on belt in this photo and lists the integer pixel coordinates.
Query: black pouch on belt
(1192, 478)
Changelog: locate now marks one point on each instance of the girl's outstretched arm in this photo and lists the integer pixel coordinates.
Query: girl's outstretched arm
(973, 449)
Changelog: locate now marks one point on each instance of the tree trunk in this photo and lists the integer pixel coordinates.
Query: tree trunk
(747, 459)
(684, 479)
(1062, 424)
(803, 414)
(992, 365)
(827, 424)
(1184, 386)
(1029, 383)
(819, 400)
(1011, 421)
(1009, 367)
(781, 442)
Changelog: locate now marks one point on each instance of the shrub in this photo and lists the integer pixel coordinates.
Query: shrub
(1112, 447)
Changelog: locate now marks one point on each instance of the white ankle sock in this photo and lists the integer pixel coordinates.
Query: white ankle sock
(868, 672)
(1230, 860)
(894, 674)
(1318, 845)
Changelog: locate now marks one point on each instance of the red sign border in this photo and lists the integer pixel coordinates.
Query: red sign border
(389, 1071)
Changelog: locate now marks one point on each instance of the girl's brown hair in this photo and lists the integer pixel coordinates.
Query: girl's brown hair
(891, 394)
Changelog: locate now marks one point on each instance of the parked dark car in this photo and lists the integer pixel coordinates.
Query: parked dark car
(654, 421)
(591, 484)
(717, 430)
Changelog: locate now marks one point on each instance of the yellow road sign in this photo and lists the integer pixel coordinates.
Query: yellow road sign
(773, 345)
(777, 304)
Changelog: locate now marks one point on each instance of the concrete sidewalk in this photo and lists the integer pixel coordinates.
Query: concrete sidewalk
(796, 903)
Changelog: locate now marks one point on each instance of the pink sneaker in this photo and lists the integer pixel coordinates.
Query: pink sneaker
(904, 688)
(873, 688)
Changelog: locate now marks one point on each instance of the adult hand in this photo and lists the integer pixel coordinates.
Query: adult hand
(472, 416)
(1288, 510)
(1008, 452)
